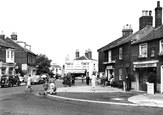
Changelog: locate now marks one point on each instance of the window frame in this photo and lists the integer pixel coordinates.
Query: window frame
(120, 73)
(140, 50)
(109, 56)
(120, 53)
(161, 48)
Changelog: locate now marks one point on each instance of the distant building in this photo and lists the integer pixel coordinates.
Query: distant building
(81, 64)
(56, 69)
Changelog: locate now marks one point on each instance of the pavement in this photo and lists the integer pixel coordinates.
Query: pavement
(109, 95)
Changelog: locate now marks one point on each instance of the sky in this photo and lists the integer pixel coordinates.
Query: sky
(57, 28)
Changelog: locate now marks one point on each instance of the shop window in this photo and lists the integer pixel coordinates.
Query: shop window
(109, 56)
(120, 53)
(143, 50)
(161, 47)
(120, 74)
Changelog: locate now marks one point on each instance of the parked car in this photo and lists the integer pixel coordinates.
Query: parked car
(10, 80)
(35, 79)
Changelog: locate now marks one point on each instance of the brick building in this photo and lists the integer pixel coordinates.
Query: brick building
(7, 57)
(24, 57)
(135, 55)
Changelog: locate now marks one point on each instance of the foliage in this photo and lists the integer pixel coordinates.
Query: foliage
(43, 64)
(152, 77)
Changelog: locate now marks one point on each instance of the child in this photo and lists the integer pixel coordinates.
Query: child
(45, 85)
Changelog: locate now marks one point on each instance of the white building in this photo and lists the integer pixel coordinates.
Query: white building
(56, 69)
(81, 65)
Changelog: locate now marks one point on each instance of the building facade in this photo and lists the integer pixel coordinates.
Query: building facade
(25, 59)
(81, 65)
(132, 57)
(7, 57)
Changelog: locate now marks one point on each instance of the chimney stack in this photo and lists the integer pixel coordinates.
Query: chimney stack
(86, 53)
(127, 30)
(145, 19)
(89, 54)
(14, 36)
(77, 53)
(158, 15)
(2, 36)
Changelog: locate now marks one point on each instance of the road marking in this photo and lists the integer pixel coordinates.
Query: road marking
(92, 101)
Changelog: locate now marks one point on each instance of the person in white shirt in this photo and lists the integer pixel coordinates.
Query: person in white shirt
(93, 81)
(29, 83)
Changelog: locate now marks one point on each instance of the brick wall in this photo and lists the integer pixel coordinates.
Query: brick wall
(3, 54)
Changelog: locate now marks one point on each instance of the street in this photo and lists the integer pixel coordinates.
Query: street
(15, 101)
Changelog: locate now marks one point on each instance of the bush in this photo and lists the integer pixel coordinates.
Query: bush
(152, 77)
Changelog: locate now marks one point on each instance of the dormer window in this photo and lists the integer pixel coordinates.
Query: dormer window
(143, 50)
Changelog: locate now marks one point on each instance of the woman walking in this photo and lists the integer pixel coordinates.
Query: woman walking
(29, 83)
(93, 81)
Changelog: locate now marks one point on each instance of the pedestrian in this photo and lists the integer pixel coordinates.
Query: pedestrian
(93, 81)
(69, 79)
(82, 78)
(87, 79)
(103, 79)
(46, 85)
(52, 85)
(29, 83)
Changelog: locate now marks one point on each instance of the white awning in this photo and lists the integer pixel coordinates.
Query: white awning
(144, 64)
(75, 71)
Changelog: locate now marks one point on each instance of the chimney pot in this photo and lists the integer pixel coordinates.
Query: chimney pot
(158, 3)
(150, 13)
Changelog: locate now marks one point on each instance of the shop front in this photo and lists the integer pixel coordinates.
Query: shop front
(141, 72)
(109, 70)
(7, 69)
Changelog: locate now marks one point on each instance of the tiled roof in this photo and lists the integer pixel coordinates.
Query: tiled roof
(17, 45)
(154, 34)
(136, 37)
(108, 46)
(82, 58)
(56, 66)
(3, 43)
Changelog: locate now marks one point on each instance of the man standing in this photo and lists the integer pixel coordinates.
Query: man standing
(29, 83)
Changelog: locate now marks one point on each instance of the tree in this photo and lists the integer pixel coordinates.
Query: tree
(43, 64)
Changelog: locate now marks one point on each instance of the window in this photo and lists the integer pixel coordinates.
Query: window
(143, 50)
(120, 53)
(8, 54)
(109, 55)
(161, 47)
(120, 74)
(152, 52)
(12, 54)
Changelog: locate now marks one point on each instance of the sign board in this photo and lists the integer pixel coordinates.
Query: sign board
(145, 65)
(109, 67)
(150, 88)
(24, 66)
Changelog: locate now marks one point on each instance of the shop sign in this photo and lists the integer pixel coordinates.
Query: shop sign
(24, 66)
(145, 65)
(109, 67)
(150, 88)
